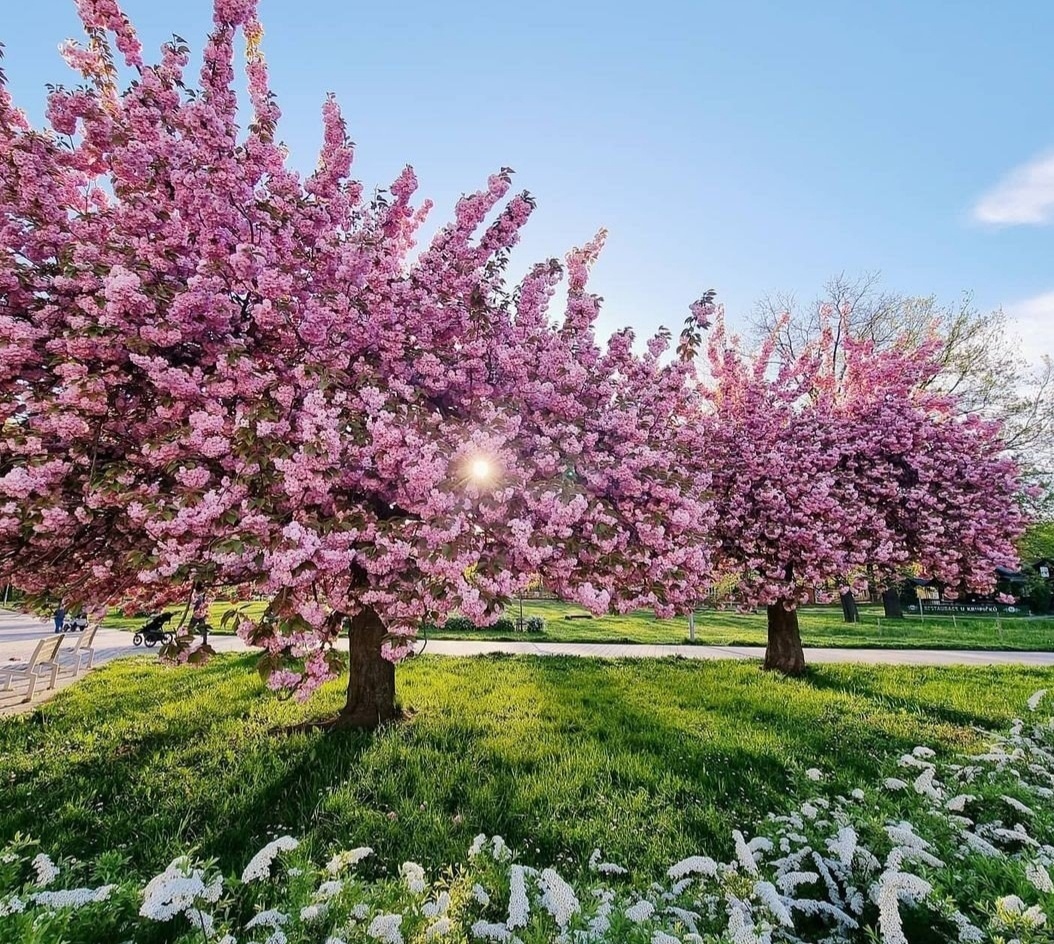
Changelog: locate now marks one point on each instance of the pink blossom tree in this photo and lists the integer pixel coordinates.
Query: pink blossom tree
(822, 475)
(218, 370)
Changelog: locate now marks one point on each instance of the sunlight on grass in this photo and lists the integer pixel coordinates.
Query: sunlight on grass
(651, 760)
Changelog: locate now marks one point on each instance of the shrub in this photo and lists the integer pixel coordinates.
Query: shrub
(462, 624)
(459, 624)
(1037, 592)
(535, 624)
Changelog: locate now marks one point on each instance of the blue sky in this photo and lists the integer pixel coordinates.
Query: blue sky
(749, 146)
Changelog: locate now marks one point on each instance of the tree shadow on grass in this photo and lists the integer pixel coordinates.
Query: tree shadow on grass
(708, 760)
(283, 798)
(671, 786)
(148, 761)
(915, 698)
(652, 777)
(650, 761)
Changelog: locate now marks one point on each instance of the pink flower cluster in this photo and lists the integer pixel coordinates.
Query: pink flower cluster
(851, 476)
(217, 370)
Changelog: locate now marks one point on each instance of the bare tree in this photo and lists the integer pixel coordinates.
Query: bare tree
(983, 362)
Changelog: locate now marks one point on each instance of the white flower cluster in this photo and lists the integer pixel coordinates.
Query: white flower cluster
(640, 911)
(347, 859)
(271, 918)
(260, 864)
(414, 876)
(499, 850)
(386, 928)
(693, 865)
(439, 928)
(12, 905)
(178, 889)
(492, 931)
(519, 903)
(604, 868)
(558, 897)
(45, 869)
(440, 906)
(329, 888)
(1039, 878)
(892, 888)
(72, 897)
(1011, 914)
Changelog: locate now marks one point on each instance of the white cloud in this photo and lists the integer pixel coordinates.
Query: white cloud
(1032, 320)
(1024, 196)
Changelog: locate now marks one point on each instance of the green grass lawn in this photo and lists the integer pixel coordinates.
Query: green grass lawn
(650, 760)
(820, 626)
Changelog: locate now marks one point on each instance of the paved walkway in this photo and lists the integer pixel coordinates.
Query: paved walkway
(450, 647)
(19, 635)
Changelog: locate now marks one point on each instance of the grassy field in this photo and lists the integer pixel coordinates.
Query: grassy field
(820, 626)
(650, 760)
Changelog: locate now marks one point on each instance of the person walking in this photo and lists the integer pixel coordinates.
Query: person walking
(60, 617)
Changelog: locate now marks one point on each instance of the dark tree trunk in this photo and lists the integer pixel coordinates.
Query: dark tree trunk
(849, 611)
(784, 652)
(371, 678)
(891, 604)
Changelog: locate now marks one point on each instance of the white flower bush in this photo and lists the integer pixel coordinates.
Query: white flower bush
(260, 865)
(955, 850)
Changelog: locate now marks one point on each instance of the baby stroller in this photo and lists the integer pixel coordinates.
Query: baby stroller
(76, 624)
(154, 631)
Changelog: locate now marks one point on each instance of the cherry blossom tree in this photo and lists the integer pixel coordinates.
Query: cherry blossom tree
(218, 370)
(825, 473)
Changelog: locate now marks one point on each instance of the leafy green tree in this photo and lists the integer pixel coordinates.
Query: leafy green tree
(982, 362)
(1037, 541)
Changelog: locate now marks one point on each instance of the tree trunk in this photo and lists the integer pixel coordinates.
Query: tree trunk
(891, 604)
(784, 652)
(371, 678)
(850, 613)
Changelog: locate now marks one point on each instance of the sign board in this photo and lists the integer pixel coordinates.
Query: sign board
(947, 608)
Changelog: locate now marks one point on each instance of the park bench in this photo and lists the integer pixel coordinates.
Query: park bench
(84, 644)
(45, 656)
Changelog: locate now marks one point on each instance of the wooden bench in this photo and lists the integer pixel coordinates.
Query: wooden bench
(45, 656)
(85, 643)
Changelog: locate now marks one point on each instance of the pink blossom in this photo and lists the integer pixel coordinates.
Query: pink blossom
(821, 477)
(242, 376)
